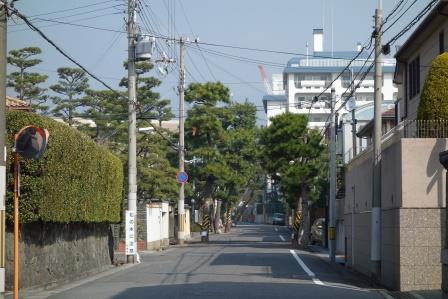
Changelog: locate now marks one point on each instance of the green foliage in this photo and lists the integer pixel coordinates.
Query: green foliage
(294, 157)
(149, 103)
(222, 136)
(72, 84)
(26, 83)
(434, 98)
(156, 176)
(74, 181)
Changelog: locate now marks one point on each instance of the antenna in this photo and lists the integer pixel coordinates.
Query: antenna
(323, 15)
(332, 30)
(307, 54)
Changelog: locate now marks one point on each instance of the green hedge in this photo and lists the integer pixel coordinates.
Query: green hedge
(74, 181)
(434, 98)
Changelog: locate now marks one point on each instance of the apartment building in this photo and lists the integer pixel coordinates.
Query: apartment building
(306, 77)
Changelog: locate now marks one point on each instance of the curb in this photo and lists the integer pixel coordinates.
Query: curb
(40, 293)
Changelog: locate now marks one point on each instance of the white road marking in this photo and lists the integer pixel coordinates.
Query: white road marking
(306, 269)
(417, 296)
(282, 238)
(276, 229)
(317, 281)
(385, 294)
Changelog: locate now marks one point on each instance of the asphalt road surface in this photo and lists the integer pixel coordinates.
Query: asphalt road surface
(253, 261)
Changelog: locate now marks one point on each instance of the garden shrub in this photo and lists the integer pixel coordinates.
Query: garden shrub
(74, 181)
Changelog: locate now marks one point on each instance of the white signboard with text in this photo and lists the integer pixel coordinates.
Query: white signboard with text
(130, 233)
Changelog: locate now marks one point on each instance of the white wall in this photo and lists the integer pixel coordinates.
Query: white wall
(154, 224)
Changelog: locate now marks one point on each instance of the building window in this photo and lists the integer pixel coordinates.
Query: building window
(441, 42)
(414, 77)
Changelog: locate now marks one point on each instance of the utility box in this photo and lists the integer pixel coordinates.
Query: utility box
(144, 47)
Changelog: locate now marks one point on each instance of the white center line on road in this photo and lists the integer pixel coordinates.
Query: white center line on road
(282, 238)
(306, 269)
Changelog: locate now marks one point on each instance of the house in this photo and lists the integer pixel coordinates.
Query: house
(363, 116)
(16, 104)
(387, 123)
(415, 56)
(413, 182)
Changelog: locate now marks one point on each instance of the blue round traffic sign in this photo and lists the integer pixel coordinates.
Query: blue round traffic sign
(182, 177)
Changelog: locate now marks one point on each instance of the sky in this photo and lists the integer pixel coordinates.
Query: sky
(282, 25)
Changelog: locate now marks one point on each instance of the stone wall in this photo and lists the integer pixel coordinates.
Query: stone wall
(413, 213)
(51, 254)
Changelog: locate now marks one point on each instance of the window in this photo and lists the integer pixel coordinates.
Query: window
(441, 42)
(414, 77)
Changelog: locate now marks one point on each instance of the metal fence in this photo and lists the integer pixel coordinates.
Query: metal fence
(425, 128)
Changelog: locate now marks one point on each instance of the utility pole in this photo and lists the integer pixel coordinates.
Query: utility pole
(375, 245)
(354, 139)
(332, 212)
(3, 33)
(181, 202)
(132, 126)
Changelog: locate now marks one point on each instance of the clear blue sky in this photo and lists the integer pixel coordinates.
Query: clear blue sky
(284, 25)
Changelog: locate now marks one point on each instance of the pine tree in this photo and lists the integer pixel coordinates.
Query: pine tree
(24, 82)
(71, 86)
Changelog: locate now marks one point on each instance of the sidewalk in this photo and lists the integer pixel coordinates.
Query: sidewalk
(340, 260)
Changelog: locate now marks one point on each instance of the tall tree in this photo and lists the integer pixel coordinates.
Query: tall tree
(71, 86)
(292, 156)
(222, 136)
(150, 106)
(108, 110)
(204, 125)
(156, 175)
(24, 82)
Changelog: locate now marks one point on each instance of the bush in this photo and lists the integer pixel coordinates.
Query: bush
(74, 181)
(434, 98)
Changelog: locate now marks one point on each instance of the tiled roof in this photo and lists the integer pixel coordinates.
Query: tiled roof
(16, 104)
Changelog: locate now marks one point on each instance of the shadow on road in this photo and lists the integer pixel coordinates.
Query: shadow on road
(244, 290)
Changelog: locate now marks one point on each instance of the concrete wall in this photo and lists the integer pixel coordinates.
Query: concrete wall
(51, 254)
(413, 192)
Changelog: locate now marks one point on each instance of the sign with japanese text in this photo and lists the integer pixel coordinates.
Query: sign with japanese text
(130, 233)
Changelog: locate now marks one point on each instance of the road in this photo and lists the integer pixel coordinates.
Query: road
(253, 261)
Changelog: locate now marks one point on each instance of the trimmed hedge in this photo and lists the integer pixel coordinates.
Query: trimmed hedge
(434, 98)
(74, 181)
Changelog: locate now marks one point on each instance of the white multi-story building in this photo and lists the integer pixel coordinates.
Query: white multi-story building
(305, 78)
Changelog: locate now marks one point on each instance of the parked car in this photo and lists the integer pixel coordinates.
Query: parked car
(317, 231)
(278, 219)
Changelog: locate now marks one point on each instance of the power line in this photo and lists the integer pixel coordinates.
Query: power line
(33, 27)
(420, 15)
(71, 9)
(40, 20)
(191, 30)
(397, 19)
(77, 25)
